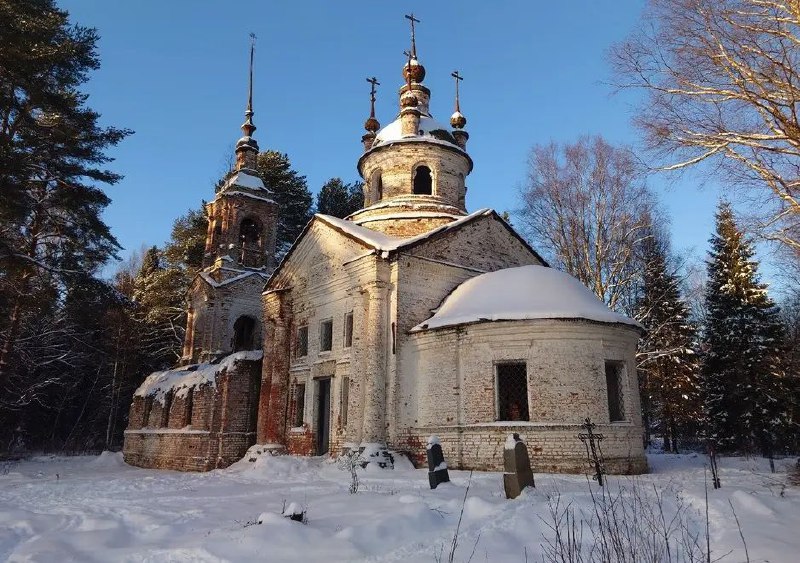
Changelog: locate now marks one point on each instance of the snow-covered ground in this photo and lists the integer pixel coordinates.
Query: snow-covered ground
(99, 509)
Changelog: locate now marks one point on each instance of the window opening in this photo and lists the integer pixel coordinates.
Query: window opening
(189, 406)
(326, 335)
(616, 405)
(299, 404)
(301, 346)
(345, 399)
(243, 333)
(512, 391)
(423, 183)
(166, 409)
(348, 329)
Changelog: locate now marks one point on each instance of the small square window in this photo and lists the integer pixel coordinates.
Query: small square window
(301, 346)
(299, 405)
(512, 391)
(614, 387)
(348, 329)
(326, 335)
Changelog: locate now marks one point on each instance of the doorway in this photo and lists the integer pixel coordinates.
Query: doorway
(323, 415)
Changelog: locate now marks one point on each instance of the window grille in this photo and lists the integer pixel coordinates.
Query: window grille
(299, 404)
(512, 391)
(302, 342)
(348, 329)
(326, 335)
(614, 388)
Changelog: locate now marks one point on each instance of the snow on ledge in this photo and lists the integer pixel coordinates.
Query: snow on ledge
(181, 379)
(244, 180)
(523, 293)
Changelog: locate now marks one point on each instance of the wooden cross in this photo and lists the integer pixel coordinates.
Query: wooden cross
(458, 78)
(374, 82)
(410, 17)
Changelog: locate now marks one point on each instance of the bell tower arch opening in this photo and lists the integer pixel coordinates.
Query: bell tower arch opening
(422, 180)
(243, 333)
(250, 241)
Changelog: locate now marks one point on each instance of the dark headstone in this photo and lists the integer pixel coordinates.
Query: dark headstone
(437, 467)
(517, 466)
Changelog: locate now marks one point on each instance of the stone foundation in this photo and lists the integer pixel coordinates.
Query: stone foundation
(552, 448)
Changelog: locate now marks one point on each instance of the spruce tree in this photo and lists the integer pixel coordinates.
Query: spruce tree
(668, 363)
(743, 380)
(339, 199)
(290, 193)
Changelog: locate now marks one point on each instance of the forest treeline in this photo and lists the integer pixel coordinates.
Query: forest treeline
(719, 362)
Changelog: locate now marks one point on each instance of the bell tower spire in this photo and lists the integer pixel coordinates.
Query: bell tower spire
(371, 125)
(247, 146)
(457, 120)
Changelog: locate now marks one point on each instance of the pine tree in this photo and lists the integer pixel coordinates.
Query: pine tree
(668, 363)
(52, 152)
(742, 378)
(339, 199)
(290, 193)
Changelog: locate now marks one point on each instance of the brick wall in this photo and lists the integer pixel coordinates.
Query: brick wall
(222, 424)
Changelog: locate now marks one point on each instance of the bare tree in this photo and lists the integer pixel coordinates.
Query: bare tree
(586, 206)
(722, 79)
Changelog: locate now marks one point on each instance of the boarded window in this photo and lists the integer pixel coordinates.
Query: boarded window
(348, 329)
(299, 405)
(512, 391)
(423, 182)
(301, 345)
(326, 335)
(345, 399)
(614, 386)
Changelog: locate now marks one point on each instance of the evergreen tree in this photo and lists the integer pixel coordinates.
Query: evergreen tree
(339, 199)
(290, 193)
(52, 152)
(668, 364)
(744, 386)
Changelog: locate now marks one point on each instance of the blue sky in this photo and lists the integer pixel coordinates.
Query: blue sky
(176, 73)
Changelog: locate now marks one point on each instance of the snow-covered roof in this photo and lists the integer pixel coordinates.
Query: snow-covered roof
(427, 127)
(387, 243)
(244, 180)
(526, 292)
(181, 379)
(245, 274)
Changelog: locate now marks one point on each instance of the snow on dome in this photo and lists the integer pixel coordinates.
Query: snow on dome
(244, 180)
(428, 126)
(526, 292)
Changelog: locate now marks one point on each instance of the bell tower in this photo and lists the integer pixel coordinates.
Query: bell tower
(224, 299)
(415, 168)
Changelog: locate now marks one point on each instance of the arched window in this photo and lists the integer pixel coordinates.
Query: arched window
(423, 183)
(376, 185)
(243, 333)
(249, 232)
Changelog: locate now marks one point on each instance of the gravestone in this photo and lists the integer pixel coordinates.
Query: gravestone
(517, 467)
(437, 467)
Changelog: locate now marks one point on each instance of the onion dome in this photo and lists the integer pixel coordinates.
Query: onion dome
(413, 71)
(457, 120)
(372, 124)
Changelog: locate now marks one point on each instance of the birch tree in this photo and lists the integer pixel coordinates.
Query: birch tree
(722, 84)
(585, 206)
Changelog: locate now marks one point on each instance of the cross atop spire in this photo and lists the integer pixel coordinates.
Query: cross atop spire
(410, 17)
(374, 82)
(247, 147)
(458, 78)
(247, 127)
(409, 57)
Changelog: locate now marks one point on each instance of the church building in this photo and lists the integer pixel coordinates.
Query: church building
(410, 318)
